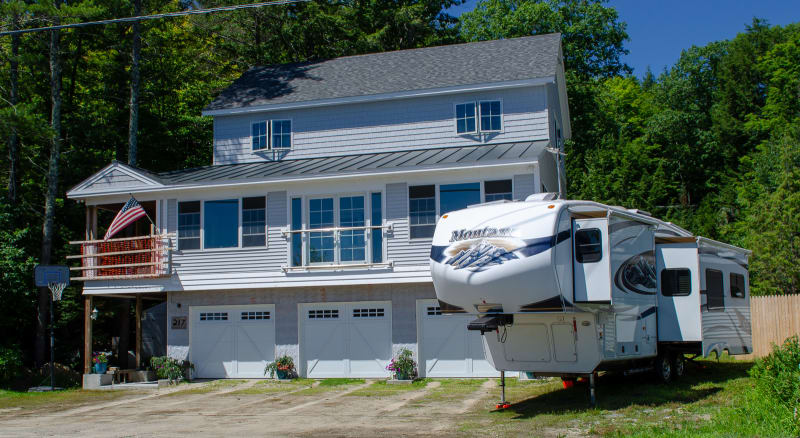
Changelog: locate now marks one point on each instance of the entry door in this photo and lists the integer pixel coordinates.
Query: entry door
(232, 341)
(346, 339)
(446, 347)
(678, 273)
(590, 261)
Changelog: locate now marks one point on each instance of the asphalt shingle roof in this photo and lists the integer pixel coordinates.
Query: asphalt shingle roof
(389, 72)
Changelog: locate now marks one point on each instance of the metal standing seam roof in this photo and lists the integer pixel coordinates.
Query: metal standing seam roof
(355, 164)
(454, 65)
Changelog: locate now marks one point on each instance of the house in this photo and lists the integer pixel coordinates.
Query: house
(309, 234)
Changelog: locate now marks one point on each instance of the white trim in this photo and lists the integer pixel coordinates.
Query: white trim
(267, 124)
(383, 96)
(270, 146)
(475, 115)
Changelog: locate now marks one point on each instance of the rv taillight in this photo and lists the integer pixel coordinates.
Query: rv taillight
(551, 206)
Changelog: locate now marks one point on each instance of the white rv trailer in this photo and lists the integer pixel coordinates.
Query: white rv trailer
(569, 288)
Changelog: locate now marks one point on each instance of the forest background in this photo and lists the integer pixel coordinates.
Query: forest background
(711, 143)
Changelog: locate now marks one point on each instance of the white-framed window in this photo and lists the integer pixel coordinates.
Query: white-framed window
(497, 190)
(465, 118)
(491, 113)
(214, 316)
(369, 313)
(434, 310)
(254, 221)
(421, 211)
(221, 224)
(323, 314)
(258, 136)
(281, 134)
(189, 225)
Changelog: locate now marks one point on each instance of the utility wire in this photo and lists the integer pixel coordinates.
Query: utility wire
(154, 16)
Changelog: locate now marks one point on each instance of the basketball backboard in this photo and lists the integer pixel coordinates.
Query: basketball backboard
(44, 275)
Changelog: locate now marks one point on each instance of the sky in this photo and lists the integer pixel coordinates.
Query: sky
(660, 29)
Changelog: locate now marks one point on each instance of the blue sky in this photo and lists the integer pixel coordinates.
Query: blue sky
(660, 29)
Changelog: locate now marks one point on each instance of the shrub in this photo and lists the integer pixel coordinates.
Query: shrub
(11, 367)
(166, 367)
(778, 374)
(403, 365)
(285, 364)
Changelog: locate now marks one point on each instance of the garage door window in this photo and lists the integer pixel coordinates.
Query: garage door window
(254, 316)
(323, 314)
(368, 313)
(434, 310)
(214, 316)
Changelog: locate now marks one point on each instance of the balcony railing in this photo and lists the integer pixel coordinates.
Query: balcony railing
(335, 234)
(125, 258)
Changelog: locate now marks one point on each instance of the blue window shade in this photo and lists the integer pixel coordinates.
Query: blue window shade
(320, 244)
(457, 196)
(259, 136)
(377, 233)
(281, 134)
(352, 243)
(490, 116)
(297, 238)
(465, 118)
(221, 223)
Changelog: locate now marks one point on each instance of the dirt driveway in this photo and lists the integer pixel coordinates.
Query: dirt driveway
(257, 407)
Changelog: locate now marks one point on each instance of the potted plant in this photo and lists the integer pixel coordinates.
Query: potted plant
(100, 361)
(172, 370)
(403, 365)
(283, 367)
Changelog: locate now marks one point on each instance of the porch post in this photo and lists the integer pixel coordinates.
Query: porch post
(87, 334)
(138, 331)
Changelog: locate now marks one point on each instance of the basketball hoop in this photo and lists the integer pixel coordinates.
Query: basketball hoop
(55, 278)
(56, 289)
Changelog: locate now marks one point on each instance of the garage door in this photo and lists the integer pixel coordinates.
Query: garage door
(232, 341)
(346, 339)
(447, 349)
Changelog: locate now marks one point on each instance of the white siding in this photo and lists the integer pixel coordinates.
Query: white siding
(384, 126)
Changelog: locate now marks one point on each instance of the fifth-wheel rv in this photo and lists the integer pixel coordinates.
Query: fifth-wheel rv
(569, 288)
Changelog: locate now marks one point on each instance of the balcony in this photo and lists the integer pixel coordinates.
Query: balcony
(338, 248)
(124, 258)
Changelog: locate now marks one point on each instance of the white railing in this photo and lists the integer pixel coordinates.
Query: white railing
(124, 258)
(336, 233)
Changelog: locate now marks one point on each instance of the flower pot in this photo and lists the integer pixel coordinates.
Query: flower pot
(401, 376)
(282, 374)
(100, 368)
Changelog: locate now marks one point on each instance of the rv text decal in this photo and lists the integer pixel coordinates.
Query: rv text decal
(479, 233)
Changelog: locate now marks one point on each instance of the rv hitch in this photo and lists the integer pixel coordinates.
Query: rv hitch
(490, 323)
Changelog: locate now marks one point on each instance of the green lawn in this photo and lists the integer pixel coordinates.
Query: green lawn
(57, 400)
(275, 387)
(199, 388)
(331, 385)
(380, 388)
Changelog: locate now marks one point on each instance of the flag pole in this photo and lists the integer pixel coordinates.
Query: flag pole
(145, 213)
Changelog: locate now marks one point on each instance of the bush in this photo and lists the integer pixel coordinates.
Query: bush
(284, 364)
(11, 367)
(166, 367)
(403, 365)
(778, 375)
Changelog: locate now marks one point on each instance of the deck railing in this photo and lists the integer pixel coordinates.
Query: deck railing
(124, 258)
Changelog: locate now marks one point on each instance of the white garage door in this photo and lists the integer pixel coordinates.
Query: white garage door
(346, 339)
(447, 349)
(232, 341)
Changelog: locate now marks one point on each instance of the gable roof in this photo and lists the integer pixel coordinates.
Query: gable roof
(326, 167)
(484, 62)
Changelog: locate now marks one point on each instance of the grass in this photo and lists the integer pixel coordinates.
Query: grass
(214, 385)
(55, 401)
(275, 387)
(381, 388)
(330, 385)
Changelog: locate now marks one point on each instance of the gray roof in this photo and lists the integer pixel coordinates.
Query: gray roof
(390, 72)
(355, 164)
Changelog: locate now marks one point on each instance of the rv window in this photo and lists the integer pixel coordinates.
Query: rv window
(676, 282)
(714, 293)
(737, 285)
(588, 246)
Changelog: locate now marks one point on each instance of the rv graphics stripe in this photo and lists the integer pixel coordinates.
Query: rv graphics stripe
(638, 274)
(647, 313)
(531, 248)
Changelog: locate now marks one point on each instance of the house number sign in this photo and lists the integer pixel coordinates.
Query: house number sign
(178, 323)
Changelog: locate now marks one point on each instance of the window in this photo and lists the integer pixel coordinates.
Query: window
(454, 197)
(254, 316)
(588, 245)
(352, 243)
(323, 314)
(497, 190)
(320, 244)
(491, 116)
(368, 313)
(189, 225)
(254, 221)
(737, 285)
(259, 136)
(281, 134)
(297, 238)
(465, 118)
(422, 211)
(676, 282)
(214, 316)
(377, 233)
(714, 294)
(434, 310)
(221, 224)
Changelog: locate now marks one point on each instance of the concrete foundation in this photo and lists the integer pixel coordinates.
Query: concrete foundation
(95, 381)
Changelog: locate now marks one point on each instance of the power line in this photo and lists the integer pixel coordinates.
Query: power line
(154, 16)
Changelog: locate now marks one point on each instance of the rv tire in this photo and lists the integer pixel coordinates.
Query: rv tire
(678, 365)
(663, 368)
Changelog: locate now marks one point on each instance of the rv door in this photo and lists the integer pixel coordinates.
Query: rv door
(590, 261)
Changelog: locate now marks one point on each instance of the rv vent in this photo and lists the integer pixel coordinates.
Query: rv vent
(542, 197)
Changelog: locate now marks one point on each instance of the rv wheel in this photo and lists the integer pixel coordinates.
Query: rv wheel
(663, 368)
(678, 365)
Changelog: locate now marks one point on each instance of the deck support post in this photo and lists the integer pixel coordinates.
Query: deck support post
(138, 331)
(87, 334)
(592, 399)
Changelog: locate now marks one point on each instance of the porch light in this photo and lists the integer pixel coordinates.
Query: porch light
(94, 314)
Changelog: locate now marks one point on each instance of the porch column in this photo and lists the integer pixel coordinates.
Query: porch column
(87, 334)
(138, 331)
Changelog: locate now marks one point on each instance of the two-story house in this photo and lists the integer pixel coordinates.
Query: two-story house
(310, 233)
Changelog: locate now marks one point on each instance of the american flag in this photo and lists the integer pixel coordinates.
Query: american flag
(128, 215)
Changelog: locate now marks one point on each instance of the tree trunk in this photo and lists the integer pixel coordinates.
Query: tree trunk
(52, 191)
(133, 124)
(13, 140)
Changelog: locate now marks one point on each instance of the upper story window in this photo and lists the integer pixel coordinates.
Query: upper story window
(497, 190)
(189, 225)
(491, 116)
(221, 224)
(465, 118)
(254, 222)
(281, 134)
(259, 136)
(422, 211)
